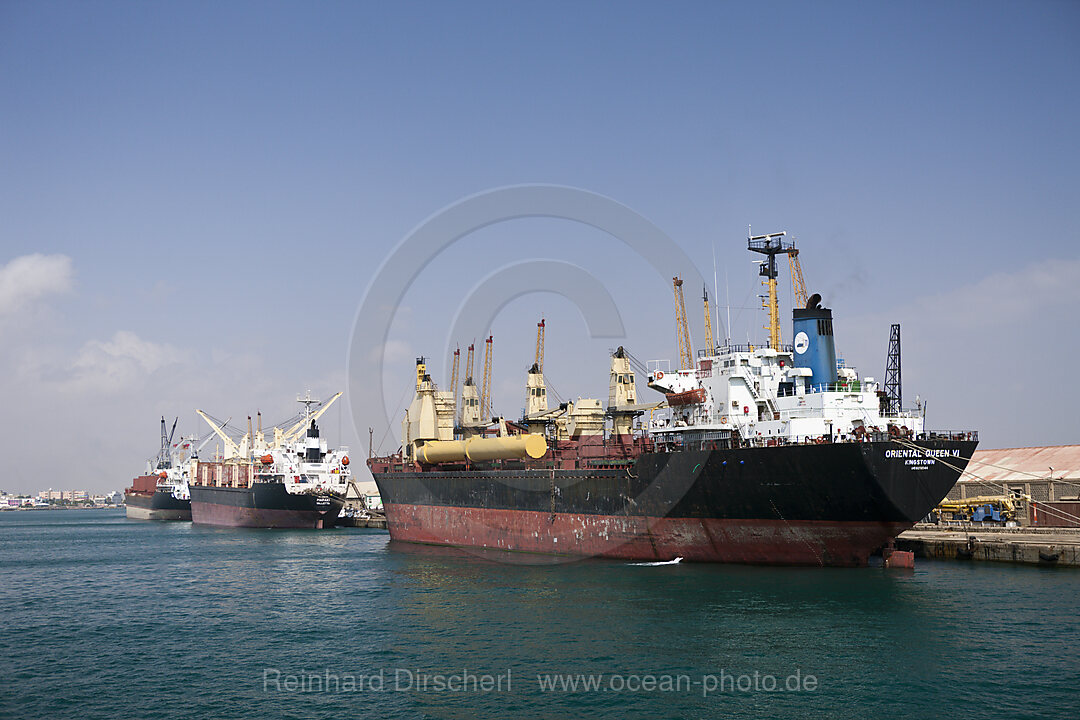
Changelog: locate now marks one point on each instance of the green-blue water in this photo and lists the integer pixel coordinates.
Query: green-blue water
(105, 617)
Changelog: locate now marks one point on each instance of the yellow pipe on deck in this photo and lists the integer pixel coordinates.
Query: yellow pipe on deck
(477, 449)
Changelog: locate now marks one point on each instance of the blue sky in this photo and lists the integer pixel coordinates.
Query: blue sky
(212, 187)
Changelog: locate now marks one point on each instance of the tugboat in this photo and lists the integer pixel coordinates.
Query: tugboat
(293, 481)
(768, 454)
(162, 493)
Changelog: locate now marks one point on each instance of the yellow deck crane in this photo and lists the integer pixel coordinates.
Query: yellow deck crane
(710, 348)
(485, 389)
(469, 417)
(798, 285)
(682, 330)
(535, 388)
(539, 361)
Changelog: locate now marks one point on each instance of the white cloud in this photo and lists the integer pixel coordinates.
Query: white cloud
(117, 364)
(977, 352)
(391, 352)
(31, 277)
(1011, 296)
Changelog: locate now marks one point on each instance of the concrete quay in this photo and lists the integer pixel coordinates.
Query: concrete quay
(1033, 546)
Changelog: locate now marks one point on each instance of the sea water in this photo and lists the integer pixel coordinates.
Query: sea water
(115, 618)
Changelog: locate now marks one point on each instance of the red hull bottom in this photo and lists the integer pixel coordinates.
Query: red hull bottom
(758, 542)
(233, 516)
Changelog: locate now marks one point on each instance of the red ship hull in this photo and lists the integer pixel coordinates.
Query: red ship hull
(640, 538)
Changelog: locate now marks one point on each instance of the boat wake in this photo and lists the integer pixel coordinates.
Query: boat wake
(676, 561)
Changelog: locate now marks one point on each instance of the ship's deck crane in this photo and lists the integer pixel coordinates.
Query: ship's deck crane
(798, 285)
(535, 388)
(710, 348)
(485, 391)
(682, 330)
(302, 425)
(230, 446)
(469, 416)
(454, 378)
(164, 459)
(242, 449)
(539, 361)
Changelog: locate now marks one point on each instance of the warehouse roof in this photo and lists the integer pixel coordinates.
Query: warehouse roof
(1015, 465)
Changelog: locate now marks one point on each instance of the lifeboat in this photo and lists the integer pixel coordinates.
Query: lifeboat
(690, 397)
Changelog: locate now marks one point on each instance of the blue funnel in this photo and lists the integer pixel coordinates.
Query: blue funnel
(814, 346)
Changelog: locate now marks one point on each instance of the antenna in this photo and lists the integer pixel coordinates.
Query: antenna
(727, 293)
(715, 290)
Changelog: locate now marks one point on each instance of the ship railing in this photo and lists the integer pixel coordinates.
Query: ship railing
(837, 387)
(743, 348)
(950, 435)
(841, 387)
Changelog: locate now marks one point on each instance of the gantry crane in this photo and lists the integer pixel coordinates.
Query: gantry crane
(682, 330)
(485, 391)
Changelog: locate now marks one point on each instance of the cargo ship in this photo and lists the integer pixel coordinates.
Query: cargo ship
(290, 481)
(162, 493)
(772, 454)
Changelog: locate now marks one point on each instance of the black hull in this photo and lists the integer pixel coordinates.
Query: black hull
(160, 505)
(816, 504)
(263, 505)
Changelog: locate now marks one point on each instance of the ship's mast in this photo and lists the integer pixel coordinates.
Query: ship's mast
(771, 245)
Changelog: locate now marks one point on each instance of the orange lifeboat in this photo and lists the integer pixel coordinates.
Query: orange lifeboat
(345, 461)
(690, 397)
(267, 459)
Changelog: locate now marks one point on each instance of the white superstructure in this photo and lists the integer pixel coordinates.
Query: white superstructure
(296, 456)
(760, 397)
